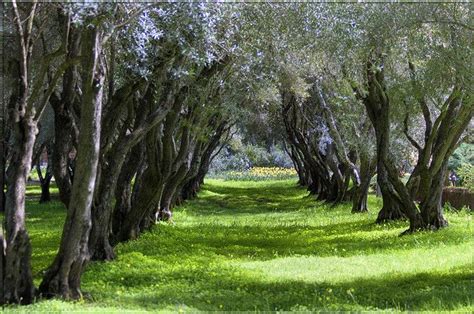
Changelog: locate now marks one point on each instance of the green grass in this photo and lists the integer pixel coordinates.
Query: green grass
(267, 246)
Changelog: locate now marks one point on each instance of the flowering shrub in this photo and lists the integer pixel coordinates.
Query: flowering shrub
(258, 174)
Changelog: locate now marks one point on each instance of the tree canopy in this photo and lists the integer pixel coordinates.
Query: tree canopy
(132, 102)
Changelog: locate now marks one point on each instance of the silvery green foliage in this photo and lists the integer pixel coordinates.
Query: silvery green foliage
(80, 12)
(279, 158)
(88, 13)
(227, 160)
(143, 44)
(198, 31)
(319, 133)
(324, 137)
(147, 32)
(250, 156)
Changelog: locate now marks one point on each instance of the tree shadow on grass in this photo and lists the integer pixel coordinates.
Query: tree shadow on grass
(214, 288)
(188, 263)
(255, 199)
(266, 243)
(265, 237)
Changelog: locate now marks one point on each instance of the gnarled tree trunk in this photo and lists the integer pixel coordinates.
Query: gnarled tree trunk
(45, 180)
(390, 208)
(65, 129)
(123, 191)
(63, 147)
(18, 280)
(367, 169)
(63, 277)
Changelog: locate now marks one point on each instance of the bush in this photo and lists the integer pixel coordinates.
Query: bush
(239, 157)
(226, 161)
(258, 156)
(464, 154)
(466, 173)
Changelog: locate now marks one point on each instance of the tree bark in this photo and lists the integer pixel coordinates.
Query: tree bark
(391, 208)
(114, 153)
(45, 180)
(123, 191)
(63, 277)
(100, 247)
(367, 169)
(63, 146)
(17, 277)
(2, 168)
(395, 195)
(316, 164)
(145, 200)
(192, 186)
(2, 267)
(160, 145)
(432, 208)
(18, 280)
(65, 129)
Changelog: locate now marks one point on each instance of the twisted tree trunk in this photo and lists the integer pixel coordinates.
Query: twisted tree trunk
(18, 281)
(63, 146)
(100, 247)
(45, 180)
(65, 129)
(123, 191)
(2, 165)
(367, 169)
(63, 277)
(391, 207)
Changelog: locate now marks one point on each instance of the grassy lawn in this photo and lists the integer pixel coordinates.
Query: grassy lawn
(267, 246)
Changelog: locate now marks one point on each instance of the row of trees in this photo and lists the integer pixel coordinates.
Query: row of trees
(132, 103)
(140, 98)
(367, 90)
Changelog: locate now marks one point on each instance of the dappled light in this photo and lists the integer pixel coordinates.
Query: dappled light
(200, 156)
(226, 250)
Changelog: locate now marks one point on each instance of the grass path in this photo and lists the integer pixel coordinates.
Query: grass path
(267, 246)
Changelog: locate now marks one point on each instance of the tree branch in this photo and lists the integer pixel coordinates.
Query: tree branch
(52, 85)
(410, 139)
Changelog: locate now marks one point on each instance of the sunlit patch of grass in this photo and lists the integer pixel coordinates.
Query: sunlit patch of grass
(264, 246)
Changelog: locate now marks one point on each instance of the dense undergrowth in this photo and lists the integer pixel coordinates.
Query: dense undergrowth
(267, 246)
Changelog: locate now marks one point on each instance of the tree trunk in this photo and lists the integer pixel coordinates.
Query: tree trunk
(145, 198)
(431, 207)
(18, 280)
(359, 201)
(45, 180)
(391, 208)
(123, 191)
(63, 146)
(65, 129)
(160, 148)
(100, 247)
(169, 192)
(2, 265)
(45, 194)
(3, 148)
(63, 277)
(99, 240)
(396, 196)
(198, 172)
(2, 170)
